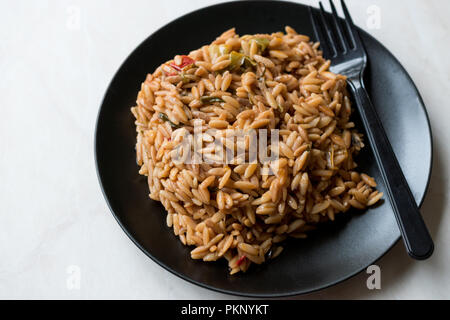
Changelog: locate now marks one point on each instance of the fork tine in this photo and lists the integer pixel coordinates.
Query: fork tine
(319, 34)
(338, 28)
(331, 42)
(352, 31)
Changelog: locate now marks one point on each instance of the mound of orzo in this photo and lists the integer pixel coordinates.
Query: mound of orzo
(243, 211)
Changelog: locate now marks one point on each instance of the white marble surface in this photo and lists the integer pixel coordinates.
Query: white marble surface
(55, 69)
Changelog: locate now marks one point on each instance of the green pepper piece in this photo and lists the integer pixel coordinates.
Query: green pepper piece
(239, 60)
(216, 51)
(224, 49)
(184, 79)
(249, 63)
(213, 51)
(263, 43)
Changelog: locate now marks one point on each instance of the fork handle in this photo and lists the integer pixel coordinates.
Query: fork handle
(415, 235)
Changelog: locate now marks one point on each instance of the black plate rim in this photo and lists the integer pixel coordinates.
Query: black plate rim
(231, 292)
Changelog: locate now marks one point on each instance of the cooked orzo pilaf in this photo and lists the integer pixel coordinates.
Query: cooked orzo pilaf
(243, 211)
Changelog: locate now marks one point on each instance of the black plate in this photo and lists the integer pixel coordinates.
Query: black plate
(334, 253)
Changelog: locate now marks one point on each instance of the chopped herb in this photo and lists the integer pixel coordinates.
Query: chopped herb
(207, 100)
(165, 118)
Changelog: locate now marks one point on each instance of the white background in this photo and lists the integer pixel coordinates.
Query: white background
(56, 60)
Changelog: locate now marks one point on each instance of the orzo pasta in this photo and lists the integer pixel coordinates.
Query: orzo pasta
(237, 210)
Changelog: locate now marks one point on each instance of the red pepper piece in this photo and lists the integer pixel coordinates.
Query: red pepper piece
(185, 61)
(173, 65)
(241, 259)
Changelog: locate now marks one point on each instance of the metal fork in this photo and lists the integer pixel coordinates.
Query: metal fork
(341, 43)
